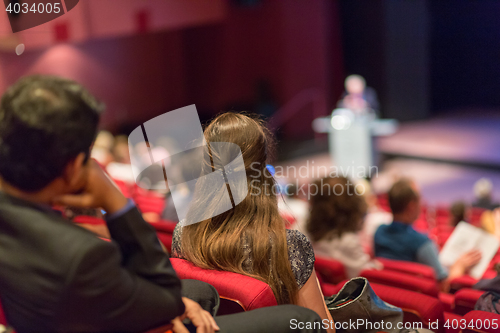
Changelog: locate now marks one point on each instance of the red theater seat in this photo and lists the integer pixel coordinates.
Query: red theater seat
(462, 282)
(482, 322)
(3, 320)
(411, 268)
(465, 300)
(150, 204)
(125, 188)
(448, 301)
(84, 219)
(237, 292)
(450, 318)
(403, 281)
(165, 231)
(330, 270)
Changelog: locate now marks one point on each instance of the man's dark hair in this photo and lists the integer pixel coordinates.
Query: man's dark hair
(45, 122)
(401, 194)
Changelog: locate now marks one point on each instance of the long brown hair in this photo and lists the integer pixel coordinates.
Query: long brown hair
(336, 208)
(254, 227)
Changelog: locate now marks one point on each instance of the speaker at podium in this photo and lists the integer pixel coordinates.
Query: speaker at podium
(351, 140)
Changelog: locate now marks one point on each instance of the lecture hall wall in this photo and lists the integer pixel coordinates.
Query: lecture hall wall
(210, 60)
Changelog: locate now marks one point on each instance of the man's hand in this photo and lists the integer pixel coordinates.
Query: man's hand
(464, 263)
(99, 192)
(200, 318)
(470, 259)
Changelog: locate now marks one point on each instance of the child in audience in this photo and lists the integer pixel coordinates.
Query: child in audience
(336, 218)
(251, 238)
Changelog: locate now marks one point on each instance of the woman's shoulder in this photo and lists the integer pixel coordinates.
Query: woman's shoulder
(301, 255)
(295, 236)
(176, 241)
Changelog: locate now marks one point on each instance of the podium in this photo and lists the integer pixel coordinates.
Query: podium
(351, 141)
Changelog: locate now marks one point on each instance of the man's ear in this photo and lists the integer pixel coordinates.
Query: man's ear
(75, 171)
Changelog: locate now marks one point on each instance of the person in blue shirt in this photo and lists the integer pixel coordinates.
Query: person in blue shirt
(400, 241)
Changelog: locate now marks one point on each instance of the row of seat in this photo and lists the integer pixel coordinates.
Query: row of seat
(242, 293)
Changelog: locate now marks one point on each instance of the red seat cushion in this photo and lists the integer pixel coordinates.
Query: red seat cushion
(330, 270)
(403, 281)
(247, 292)
(465, 300)
(411, 268)
(450, 318)
(482, 322)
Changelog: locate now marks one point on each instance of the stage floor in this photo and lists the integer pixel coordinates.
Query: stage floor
(468, 140)
(445, 156)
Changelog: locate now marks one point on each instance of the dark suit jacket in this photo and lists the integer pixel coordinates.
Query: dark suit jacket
(58, 277)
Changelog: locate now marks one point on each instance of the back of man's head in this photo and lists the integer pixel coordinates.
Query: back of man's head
(401, 194)
(45, 122)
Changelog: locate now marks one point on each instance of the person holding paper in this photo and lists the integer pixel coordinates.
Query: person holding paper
(400, 241)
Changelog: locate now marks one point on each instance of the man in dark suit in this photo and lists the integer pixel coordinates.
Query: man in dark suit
(58, 277)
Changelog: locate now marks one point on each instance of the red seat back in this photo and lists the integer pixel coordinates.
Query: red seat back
(482, 322)
(407, 267)
(330, 270)
(403, 281)
(465, 281)
(165, 226)
(84, 219)
(149, 201)
(465, 300)
(450, 318)
(165, 231)
(237, 292)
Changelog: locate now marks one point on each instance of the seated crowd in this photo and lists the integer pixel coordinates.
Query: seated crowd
(57, 276)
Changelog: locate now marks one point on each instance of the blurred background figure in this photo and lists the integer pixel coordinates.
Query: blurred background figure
(357, 97)
(101, 150)
(291, 204)
(336, 219)
(400, 241)
(483, 190)
(121, 168)
(375, 215)
(458, 211)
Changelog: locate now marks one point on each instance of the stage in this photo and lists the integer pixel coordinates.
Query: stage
(446, 156)
(466, 140)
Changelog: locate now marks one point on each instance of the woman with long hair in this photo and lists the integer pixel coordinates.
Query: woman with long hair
(251, 238)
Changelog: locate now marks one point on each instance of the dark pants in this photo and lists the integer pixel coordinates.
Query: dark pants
(275, 319)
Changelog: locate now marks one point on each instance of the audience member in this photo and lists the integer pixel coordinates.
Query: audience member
(121, 168)
(374, 218)
(483, 191)
(457, 213)
(101, 150)
(251, 238)
(400, 241)
(58, 277)
(294, 206)
(336, 219)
